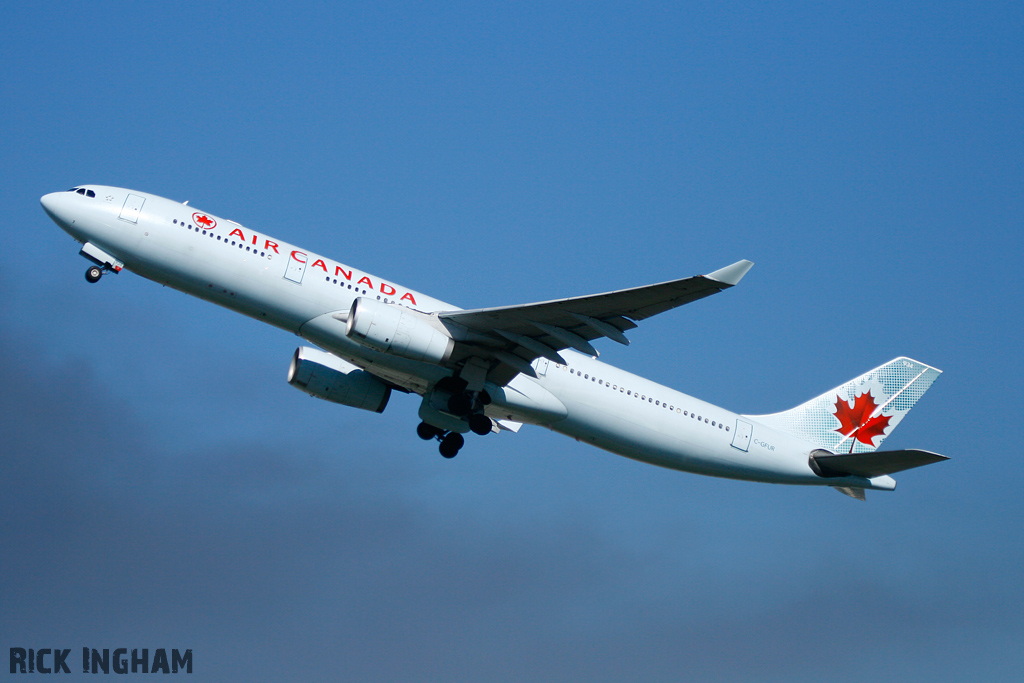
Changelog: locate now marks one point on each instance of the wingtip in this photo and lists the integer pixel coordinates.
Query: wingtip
(731, 275)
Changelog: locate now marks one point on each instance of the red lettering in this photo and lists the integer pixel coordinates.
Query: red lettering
(338, 271)
(254, 239)
(385, 291)
(367, 281)
(272, 245)
(296, 254)
(238, 232)
(408, 297)
(319, 263)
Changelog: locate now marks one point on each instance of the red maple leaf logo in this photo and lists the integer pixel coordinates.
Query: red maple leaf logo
(858, 421)
(203, 220)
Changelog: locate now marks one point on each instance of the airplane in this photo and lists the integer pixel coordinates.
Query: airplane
(492, 370)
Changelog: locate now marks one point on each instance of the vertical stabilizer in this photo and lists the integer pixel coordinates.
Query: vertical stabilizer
(857, 416)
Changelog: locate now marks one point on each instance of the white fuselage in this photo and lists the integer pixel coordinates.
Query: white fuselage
(297, 290)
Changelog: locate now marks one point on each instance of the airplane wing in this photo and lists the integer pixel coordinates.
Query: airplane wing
(516, 335)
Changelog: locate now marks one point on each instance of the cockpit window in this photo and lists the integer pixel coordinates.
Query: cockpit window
(73, 189)
(83, 191)
(90, 193)
(80, 190)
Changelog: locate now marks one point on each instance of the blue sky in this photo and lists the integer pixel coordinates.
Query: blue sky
(166, 488)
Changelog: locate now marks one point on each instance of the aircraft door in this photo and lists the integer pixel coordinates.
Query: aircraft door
(132, 208)
(541, 366)
(741, 439)
(296, 267)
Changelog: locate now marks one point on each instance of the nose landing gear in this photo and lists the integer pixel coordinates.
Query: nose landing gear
(102, 262)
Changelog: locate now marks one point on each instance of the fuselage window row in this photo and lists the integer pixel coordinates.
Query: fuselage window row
(643, 397)
(331, 281)
(189, 226)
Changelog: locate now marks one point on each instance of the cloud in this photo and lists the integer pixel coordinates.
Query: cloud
(274, 561)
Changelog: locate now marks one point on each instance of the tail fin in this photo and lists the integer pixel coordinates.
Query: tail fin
(857, 416)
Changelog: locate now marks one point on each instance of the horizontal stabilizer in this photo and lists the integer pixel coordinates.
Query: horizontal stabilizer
(873, 464)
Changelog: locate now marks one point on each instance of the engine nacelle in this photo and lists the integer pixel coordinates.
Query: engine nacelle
(326, 376)
(394, 329)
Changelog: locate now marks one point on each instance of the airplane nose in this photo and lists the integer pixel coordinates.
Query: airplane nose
(49, 202)
(56, 207)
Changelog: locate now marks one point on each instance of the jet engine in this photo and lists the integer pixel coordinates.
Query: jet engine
(397, 330)
(326, 376)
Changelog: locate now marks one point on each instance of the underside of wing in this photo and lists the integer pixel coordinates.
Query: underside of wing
(516, 335)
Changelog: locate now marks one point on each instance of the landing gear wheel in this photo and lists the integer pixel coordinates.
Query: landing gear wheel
(480, 424)
(93, 274)
(460, 404)
(451, 444)
(427, 432)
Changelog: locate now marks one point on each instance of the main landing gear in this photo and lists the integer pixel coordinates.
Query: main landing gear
(457, 403)
(451, 442)
(469, 406)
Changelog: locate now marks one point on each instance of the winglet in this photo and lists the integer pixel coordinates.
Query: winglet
(731, 275)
